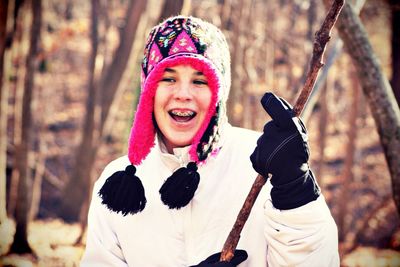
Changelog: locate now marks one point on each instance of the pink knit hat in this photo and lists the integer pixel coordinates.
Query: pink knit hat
(176, 41)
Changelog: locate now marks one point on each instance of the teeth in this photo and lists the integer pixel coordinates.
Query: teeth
(182, 113)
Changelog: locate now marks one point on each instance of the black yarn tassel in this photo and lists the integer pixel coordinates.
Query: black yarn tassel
(179, 188)
(124, 192)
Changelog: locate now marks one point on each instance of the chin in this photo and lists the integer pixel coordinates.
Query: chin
(178, 140)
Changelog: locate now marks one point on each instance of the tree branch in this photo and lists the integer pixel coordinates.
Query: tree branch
(322, 37)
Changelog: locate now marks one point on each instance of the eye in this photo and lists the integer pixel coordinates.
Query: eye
(200, 82)
(167, 80)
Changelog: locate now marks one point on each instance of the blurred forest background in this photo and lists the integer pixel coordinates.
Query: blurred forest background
(69, 76)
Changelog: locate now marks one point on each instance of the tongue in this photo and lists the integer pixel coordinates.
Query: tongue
(181, 118)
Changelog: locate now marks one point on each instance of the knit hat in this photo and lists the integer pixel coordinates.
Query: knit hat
(178, 40)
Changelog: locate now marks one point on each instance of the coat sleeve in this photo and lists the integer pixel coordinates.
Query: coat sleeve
(304, 236)
(102, 246)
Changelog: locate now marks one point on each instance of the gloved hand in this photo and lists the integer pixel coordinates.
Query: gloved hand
(283, 151)
(213, 260)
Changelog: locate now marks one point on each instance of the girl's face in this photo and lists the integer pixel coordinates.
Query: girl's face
(181, 103)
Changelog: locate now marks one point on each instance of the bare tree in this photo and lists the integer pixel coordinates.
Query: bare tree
(377, 90)
(20, 244)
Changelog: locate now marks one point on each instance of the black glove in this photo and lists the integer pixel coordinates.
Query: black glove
(213, 260)
(282, 150)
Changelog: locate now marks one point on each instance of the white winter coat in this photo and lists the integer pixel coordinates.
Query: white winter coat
(161, 237)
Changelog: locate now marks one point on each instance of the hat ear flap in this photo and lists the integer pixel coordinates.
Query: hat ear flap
(123, 192)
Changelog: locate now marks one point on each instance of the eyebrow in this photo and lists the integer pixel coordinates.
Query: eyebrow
(174, 71)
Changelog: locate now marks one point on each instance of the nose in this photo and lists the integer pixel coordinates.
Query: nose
(183, 91)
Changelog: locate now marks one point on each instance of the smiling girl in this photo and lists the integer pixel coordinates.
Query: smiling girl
(173, 199)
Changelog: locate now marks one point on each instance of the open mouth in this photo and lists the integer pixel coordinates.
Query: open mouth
(182, 115)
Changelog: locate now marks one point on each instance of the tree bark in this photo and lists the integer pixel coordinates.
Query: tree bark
(347, 175)
(235, 112)
(249, 74)
(269, 30)
(20, 244)
(322, 133)
(377, 90)
(40, 154)
(395, 6)
(225, 14)
(3, 34)
(3, 112)
(173, 7)
(378, 226)
(17, 54)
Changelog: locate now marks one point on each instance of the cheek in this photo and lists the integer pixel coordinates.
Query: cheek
(205, 100)
(159, 103)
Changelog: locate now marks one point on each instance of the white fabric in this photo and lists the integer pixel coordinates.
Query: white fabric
(160, 237)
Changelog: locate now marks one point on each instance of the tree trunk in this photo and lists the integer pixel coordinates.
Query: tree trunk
(3, 112)
(234, 108)
(322, 133)
(225, 14)
(173, 7)
(40, 155)
(37, 180)
(78, 187)
(331, 57)
(311, 19)
(249, 71)
(395, 6)
(20, 244)
(269, 29)
(378, 226)
(377, 90)
(17, 54)
(347, 175)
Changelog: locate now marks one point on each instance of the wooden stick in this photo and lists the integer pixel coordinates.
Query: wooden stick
(322, 37)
